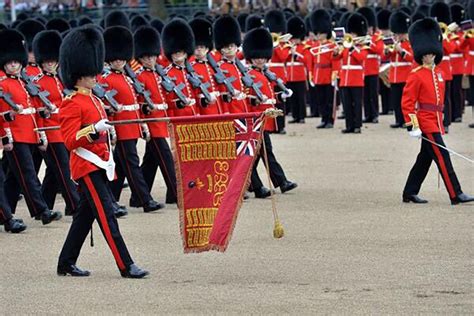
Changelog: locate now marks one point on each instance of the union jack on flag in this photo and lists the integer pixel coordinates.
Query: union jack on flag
(247, 134)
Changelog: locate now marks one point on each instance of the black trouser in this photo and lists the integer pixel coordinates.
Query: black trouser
(352, 103)
(313, 101)
(324, 102)
(280, 120)
(158, 154)
(58, 174)
(297, 102)
(385, 97)
(371, 97)
(396, 92)
(471, 91)
(128, 165)
(5, 211)
(22, 171)
(96, 202)
(447, 104)
(428, 153)
(457, 97)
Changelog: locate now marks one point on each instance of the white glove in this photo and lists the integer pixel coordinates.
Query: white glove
(43, 141)
(241, 96)
(145, 132)
(288, 94)
(102, 126)
(415, 133)
(163, 106)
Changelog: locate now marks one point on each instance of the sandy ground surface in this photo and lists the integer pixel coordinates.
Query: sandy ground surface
(351, 245)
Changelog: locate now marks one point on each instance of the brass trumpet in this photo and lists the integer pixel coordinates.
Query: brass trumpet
(277, 38)
(346, 41)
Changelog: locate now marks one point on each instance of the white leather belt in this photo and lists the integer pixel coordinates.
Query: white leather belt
(28, 111)
(400, 64)
(276, 65)
(214, 93)
(108, 166)
(352, 67)
(456, 55)
(269, 102)
(161, 106)
(131, 107)
(295, 63)
(446, 58)
(373, 56)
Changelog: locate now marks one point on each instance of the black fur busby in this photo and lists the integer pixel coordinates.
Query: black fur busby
(321, 22)
(440, 12)
(117, 18)
(275, 21)
(258, 43)
(289, 13)
(157, 24)
(22, 16)
(418, 15)
(138, 21)
(58, 24)
(46, 46)
(83, 20)
(399, 22)
(199, 14)
(426, 38)
(118, 42)
(253, 21)
(369, 15)
(406, 9)
(202, 30)
(357, 24)
(458, 13)
(242, 18)
(296, 27)
(344, 17)
(147, 17)
(41, 19)
(147, 42)
(307, 24)
(383, 16)
(29, 28)
(423, 8)
(335, 17)
(471, 9)
(81, 54)
(226, 31)
(177, 36)
(3, 27)
(73, 23)
(13, 48)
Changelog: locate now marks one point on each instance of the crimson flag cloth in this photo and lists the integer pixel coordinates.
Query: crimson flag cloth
(213, 155)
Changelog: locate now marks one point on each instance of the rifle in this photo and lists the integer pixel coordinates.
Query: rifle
(8, 100)
(99, 91)
(139, 88)
(273, 78)
(34, 91)
(248, 81)
(196, 82)
(169, 85)
(219, 75)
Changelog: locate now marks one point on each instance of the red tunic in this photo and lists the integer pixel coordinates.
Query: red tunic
(116, 80)
(52, 84)
(457, 55)
(206, 72)
(448, 48)
(299, 64)
(277, 63)
(178, 75)
(78, 111)
(352, 70)
(372, 63)
(424, 95)
(23, 127)
(152, 82)
(322, 62)
(33, 70)
(401, 65)
(267, 90)
(230, 70)
(468, 47)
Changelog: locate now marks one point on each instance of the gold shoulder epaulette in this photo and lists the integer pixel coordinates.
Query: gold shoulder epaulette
(417, 68)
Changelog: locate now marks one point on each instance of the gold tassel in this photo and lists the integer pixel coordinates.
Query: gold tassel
(278, 231)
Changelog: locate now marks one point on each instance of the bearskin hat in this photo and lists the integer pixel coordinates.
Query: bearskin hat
(226, 32)
(22, 16)
(399, 22)
(417, 16)
(296, 27)
(241, 19)
(46, 46)
(289, 13)
(253, 21)
(117, 18)
(13, 48)
(73, 23)
(177, 36)
(426, 38)
(81, 55)
(29, 28)
(275, 21)
(199, 14)
(3, 27)
(83, 20)
(58, 24)
(202, 30)
(357, 24)
(321, 22)
(423, 8)
(440, 12)
(383, 17)
(118, 42)
(406, 9)
(41, 19)
(147, 42)
(138, 21)
(344, 17)
(335, 17)
(458, 13)
(258, 43)
(369, 15)
(157, 24)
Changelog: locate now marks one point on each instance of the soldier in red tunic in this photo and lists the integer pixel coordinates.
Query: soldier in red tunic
(46, 49)
(383, 17)
(22, 139)
(118, 51)
(157, 153)
(422, 105)
(29, 28)
(86, 132)
(258, 49)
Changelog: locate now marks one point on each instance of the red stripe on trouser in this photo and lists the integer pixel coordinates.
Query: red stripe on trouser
(23, 182)
(104, 222)
(442, 166)
(63, 179)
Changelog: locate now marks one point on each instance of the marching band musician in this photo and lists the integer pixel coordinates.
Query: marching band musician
(157, 153)
(353, 54)
(468, 46)
(21, 139)
(383, 17)
(422, 105)
(86, 132)
(118, 51)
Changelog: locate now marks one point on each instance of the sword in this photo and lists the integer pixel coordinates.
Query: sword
(448, 150)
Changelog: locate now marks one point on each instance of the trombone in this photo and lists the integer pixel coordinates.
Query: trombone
(347, 41)
(277, 38)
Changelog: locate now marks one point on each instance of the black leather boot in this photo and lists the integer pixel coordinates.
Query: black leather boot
(134, 272)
